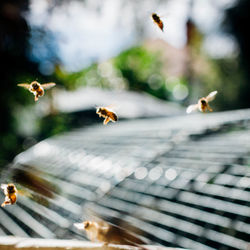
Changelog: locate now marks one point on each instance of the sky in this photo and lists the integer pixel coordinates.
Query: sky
(79, 32)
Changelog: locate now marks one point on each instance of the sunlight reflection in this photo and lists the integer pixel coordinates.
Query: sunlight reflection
(171, 174)
(141, 173)
(155, 173)
(42, 149)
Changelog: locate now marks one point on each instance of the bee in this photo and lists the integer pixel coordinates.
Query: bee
(107, 114)
(107, 233)
(10, 193)
(202, 104)
(36, 88)
(157, 20)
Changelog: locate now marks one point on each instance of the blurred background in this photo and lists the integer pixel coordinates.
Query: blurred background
(157, 168)
(115, 45)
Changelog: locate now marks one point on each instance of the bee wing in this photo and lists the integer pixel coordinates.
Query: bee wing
(211, 96)
(4, 186)
(164, 15)
(48, 85)
(24, 85)
(79, 226)
(112, 107)
(24, 192)
(192, 108)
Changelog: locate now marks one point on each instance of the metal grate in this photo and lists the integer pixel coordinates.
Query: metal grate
(183, 181)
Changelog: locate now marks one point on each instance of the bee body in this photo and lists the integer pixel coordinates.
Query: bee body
(10, 192)
(95, 232)
(13, 198)
(107, 114)
(203, 103)
(107, 233)
(37, 89)
(158, 21)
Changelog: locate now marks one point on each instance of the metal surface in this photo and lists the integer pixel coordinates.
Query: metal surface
(183, 181)
(12, 243)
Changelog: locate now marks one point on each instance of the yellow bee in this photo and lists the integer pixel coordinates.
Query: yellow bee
(157, 20)
(202, 104)
(36, 88)
(10, 193)
(107, 233)
(107, 114)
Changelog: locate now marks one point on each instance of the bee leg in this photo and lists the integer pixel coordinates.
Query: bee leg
(36, 97)
(6, 202)
(107, 119)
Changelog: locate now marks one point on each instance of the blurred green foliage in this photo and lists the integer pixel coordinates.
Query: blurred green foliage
(226, 76)
(15, 67)
(136, 69)
(206, 74)
(235, 23)
(139, 69)
(53, 124)
(142, 70)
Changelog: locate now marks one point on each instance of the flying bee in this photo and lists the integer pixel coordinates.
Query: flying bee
(202, 104)
(36, 88)
(10, 193)
(157, 20)
(104, 232)
(106, 113)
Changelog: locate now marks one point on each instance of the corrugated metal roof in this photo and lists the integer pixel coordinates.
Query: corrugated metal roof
(183, 181)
